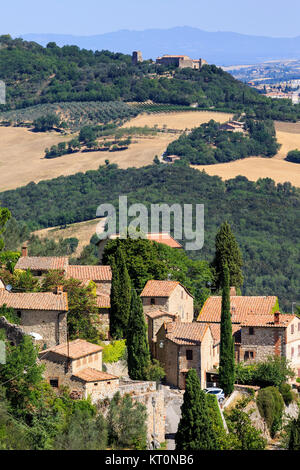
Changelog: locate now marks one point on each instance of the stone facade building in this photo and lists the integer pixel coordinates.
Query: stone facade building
(78, 365)
(100, 275)
(164, 301)
(259, 329)
(181, 61)
(185, 346)
(43, 314)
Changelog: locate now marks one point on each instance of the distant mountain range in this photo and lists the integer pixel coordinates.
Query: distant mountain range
(221, 48)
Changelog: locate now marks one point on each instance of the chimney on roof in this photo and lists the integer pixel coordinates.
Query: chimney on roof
(59, 290)
(276, 317)
(232, 291)
(24, 250)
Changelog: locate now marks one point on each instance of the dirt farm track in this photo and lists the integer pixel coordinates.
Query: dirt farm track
(21, 152)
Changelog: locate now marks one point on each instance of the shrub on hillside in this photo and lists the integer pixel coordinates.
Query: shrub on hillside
(293, 156)
(115, 351)
(270, 404)
(287, 394)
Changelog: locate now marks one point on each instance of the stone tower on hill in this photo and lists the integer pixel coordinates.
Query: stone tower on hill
(137, 57)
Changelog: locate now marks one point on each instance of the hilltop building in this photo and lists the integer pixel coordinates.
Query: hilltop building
(137, 57)
(181, 61)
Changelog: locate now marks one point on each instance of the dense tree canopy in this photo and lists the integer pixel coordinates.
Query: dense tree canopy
(258, 212)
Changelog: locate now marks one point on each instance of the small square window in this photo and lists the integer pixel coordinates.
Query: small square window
(152, 301)
(251, 331)
(189, 354)
(292, 329)
(54, 383)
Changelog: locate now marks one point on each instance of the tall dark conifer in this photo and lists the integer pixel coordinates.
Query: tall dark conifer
(227, 362)
(195, 430)
(228, 251)
(120, 296)
(137, 341)
(294, 442)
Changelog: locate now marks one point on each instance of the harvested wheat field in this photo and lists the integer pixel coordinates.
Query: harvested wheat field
(254, 168)
(22, 151)
(83, 231)
(180, 121)
(288, 135)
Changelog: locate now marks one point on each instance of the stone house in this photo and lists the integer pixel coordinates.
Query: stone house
(78, 365)
(43, 314)
(180, 61)
(185, 346)
(162, 302)
(100, 275)
(271, 335)
(259, 329)
(40, 265)
(161, 237)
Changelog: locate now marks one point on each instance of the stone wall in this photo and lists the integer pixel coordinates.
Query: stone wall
(264, 342)
(14, 333)
(168, 357)
(147, 394)
(51, 325)
(119, 368)
(181, 304)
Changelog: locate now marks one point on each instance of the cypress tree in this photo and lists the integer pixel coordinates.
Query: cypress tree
(228, 251)
(227, 362)
(137, 341)
(195, 430)
(294, 442)
(120, 296)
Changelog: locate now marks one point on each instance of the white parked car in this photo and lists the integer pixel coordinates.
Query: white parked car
(216, 391)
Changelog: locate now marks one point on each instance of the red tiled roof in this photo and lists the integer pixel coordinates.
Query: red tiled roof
(186, 333)
(91, 273)
(75, 350)
(93, 375)
(103, 301)
(162, 237)
(159, 313)
(34, 300)
(159, 288)
(42, 263)
(268, 320)
(241, 307)
(216, 331)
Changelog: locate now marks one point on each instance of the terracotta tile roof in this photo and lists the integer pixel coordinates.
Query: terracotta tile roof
(91, 273)
(93, 375)
(42, 263)
(186, 333)
(77, 349)
(161, 237)
(268, 320)
(164, 238)
(103, 301)
(159, 313)
(216, 331)
(34, 300)
(241, 307)
(160, 288)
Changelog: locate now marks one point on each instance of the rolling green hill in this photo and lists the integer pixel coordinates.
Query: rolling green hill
(36, 75)
(264, 216)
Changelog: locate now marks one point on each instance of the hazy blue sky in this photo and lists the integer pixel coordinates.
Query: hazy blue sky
(85, 17)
